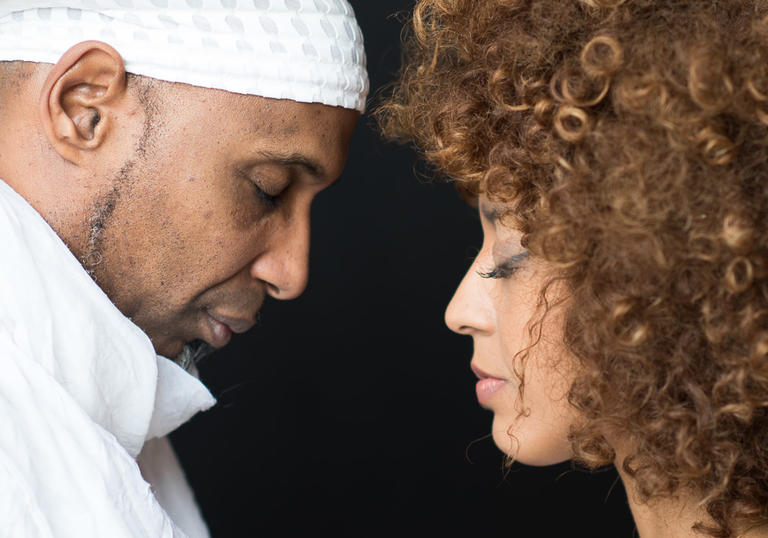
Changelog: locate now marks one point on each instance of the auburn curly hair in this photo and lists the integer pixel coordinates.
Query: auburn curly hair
(630, 139)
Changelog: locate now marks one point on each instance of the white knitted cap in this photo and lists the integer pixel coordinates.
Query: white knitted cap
(304, 50)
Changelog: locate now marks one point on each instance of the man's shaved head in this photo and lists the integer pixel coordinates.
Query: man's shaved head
(13, 74)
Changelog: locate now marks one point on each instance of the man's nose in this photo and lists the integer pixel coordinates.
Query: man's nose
(470, 311)
(284, 267)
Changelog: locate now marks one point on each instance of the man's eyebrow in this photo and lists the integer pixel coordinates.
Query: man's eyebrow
(310, 166)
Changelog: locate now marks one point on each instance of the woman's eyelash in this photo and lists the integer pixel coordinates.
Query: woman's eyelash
(506, 269)
(500, 271)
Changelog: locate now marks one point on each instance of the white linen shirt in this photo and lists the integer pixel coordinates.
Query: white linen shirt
(82, 397)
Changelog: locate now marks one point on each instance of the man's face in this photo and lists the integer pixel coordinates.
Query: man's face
(212, 213)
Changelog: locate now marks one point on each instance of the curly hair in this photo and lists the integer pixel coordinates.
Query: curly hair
(630, 139)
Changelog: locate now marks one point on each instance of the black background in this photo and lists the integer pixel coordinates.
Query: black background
(351, 411)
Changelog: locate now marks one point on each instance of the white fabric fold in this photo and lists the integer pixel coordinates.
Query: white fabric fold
(179, 396)
(81, 391)
(160, 468)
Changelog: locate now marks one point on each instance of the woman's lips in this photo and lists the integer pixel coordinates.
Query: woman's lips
(487, 386)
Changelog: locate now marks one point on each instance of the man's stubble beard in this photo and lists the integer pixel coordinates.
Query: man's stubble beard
(100, 219)
(193, 353)
(104, 206)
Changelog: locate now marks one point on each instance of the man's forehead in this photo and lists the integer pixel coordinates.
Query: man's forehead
(314, 138)
(311, 137)
(281, 118)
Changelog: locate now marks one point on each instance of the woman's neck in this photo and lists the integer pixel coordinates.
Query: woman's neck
(674, 517)
(662, 518)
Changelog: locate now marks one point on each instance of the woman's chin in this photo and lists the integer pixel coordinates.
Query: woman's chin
(531, 446)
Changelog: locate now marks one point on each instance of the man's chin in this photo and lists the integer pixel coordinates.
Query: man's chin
(167, 348)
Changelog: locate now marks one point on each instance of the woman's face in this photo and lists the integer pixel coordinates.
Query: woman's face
(494, 304)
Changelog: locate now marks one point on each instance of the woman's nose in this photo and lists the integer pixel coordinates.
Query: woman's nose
(470, 311)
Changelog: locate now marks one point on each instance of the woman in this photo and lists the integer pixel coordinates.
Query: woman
(618, 154)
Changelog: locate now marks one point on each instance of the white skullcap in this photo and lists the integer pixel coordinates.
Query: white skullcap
(303, 50)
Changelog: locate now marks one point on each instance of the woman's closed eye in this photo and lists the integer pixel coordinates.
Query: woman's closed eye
(507, 268)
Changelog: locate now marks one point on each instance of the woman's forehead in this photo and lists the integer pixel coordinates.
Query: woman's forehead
(496, 211)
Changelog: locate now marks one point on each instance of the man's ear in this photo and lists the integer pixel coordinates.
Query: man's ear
(79, 98)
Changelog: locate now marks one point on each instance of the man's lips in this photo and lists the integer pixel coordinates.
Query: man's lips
(487, 385)
(221, 328)
(236, 325)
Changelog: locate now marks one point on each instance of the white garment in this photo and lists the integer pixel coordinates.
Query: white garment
(81, 390)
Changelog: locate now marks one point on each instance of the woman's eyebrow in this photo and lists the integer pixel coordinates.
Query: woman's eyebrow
(491, 214)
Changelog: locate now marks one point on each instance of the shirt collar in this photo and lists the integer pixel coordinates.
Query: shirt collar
(62, 319)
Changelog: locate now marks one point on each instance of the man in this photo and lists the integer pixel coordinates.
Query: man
(158, 161)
